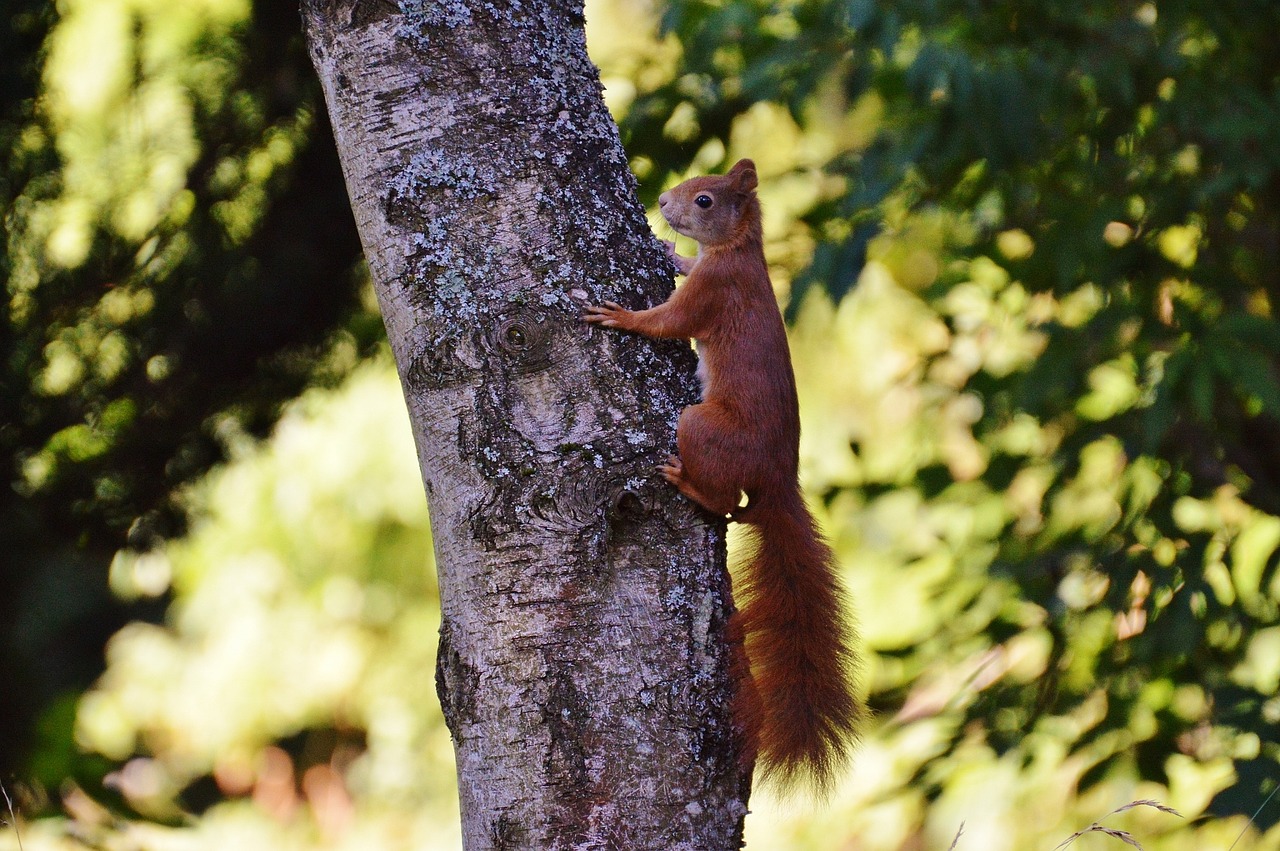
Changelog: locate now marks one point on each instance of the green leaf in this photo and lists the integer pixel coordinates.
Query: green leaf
(1255, 375)
(1258, 331)
(1160, 415)
(1251, 552)
(1201, 388)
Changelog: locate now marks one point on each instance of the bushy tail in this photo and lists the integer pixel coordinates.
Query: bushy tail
(799, 709)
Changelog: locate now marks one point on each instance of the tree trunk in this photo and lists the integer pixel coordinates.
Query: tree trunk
(583, 666)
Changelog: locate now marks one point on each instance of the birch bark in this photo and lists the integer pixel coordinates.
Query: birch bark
(583, 669)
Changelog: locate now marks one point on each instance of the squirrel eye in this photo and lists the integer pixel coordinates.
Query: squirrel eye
(703, 201)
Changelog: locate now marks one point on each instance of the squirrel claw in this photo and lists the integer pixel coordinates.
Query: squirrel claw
(672, 470)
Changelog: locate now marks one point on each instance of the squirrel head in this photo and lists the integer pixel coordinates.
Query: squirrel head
(715, 210)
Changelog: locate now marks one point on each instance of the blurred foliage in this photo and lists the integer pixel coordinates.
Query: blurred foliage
(1031, 252)
(178, 260)
(289, 699)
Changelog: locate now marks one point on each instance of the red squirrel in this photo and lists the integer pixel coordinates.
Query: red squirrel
(797, 707)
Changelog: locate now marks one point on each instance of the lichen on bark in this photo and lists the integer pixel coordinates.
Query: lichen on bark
(582, 667)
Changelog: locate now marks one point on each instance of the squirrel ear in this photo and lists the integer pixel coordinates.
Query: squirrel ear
(745, 171)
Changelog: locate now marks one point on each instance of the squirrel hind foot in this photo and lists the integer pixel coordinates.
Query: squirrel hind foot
(719, 504)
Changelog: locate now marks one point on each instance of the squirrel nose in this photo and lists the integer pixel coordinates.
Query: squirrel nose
(663, 199)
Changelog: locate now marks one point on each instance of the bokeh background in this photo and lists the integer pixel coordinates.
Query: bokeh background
(1030, 253)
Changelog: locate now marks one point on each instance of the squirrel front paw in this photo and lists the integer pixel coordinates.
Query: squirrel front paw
(682, 264)
(610, 314)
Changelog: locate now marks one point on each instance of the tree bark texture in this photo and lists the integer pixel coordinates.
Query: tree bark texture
(583, 668)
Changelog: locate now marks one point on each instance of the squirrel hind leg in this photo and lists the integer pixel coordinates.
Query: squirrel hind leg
(709, 470)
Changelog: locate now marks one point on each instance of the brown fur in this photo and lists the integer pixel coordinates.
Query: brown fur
(797, 707)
